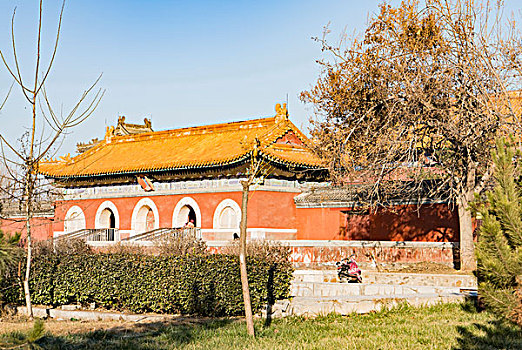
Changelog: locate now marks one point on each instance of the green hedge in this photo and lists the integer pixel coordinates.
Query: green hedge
(207, 285)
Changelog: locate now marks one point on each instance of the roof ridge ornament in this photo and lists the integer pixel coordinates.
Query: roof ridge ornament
(281, 113)
(257, 146)
(66, 159)
(109, 133)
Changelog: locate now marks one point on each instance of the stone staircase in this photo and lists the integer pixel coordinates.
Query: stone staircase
(318, 292)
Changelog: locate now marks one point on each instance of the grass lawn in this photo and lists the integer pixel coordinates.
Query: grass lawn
(450, 326)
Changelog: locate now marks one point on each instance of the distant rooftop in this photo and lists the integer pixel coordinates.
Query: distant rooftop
(121, 129)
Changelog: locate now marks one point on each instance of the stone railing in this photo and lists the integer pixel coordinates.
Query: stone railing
(93, 235)
(165, 233)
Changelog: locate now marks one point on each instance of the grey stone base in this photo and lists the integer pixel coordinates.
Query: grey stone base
(319, 306)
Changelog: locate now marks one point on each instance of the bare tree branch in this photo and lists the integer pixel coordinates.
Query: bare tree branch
(412, 108)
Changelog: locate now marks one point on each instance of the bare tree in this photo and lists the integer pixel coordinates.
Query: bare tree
(46, 128)
(257, 171)
(410, 109)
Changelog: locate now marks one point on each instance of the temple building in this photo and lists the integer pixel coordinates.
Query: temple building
(137, 184)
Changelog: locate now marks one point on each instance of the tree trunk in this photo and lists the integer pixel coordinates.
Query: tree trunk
(26, 279)
(28, 215)
(242, 260)
(467, 247)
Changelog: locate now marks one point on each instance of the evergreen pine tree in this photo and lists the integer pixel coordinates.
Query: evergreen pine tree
(499, 250)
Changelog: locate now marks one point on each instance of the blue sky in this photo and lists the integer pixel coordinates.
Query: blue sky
(180, 63)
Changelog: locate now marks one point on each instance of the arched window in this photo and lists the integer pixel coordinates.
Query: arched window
(74, 220)
(144, 216)
(227, 218)
(149, 220)
(144, 220)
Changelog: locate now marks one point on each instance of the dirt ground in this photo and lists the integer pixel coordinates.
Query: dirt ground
(10, 324)
(22, 324)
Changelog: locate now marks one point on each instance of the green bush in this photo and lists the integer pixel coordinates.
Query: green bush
(207, 285)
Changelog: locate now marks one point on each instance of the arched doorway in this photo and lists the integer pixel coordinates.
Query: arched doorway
(186, 214)
(186, 209)
(107, 222)
(107, 219)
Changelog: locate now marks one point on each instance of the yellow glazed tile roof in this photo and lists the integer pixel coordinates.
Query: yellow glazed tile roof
(186, 148)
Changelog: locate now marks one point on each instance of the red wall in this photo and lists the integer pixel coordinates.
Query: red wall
(41, 227)
(318, 223)
(265, 209)
(431, 224)
(271, 209)
(277, 210)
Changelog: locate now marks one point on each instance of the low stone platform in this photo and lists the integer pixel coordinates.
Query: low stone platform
(345, 305)
(328, 289)
(318, 292)
(371, 277)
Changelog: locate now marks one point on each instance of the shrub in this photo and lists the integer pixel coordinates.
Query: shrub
(180, 245)
(207, 285)
(270, 250)
(63, 247)
(275, 253)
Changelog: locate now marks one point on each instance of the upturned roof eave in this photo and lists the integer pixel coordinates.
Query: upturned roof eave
(236, 161)
(153, 170)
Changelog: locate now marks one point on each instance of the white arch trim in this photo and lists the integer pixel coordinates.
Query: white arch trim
(75, 213)
(224, 204)
(144, 202)
(183, 202)
(107, 205)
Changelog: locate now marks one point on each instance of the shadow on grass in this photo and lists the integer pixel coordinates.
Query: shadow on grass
(498, 334)
(156, 335)
(270, 297)
(494, 335)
